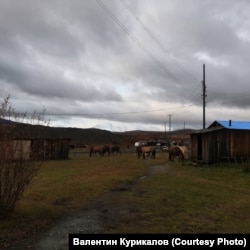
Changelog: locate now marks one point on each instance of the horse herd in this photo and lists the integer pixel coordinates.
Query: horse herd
(174, 152)
(104, 150)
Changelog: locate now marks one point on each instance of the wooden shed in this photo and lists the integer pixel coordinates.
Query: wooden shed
(34, 149)
(31, 142)
(50, 148)
(222, 141)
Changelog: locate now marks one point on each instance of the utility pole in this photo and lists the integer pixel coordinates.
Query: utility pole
(169, 122)
(204, 97)
(165, 125)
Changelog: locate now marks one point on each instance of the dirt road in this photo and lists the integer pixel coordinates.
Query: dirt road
(105, 212)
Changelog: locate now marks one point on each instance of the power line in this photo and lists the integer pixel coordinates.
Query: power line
(142, 46)
(159, 44)
(115, 113)
(134, 38)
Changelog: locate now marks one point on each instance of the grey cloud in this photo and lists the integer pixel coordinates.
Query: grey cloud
(78, 52)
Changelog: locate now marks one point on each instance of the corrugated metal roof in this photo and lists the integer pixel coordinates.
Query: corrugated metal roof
(230, 124)
(217, 125)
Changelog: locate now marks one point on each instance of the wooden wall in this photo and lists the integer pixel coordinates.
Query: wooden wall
(220, 145)
(34, 149)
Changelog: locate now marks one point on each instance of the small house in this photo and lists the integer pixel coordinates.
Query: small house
(222, 141)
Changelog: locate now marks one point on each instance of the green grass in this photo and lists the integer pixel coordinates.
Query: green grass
(66, 186)
(210, 199)
(187, 199)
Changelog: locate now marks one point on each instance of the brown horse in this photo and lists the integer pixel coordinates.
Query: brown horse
(175, 151)
(101, 149)
(146, 150)
(115, 149)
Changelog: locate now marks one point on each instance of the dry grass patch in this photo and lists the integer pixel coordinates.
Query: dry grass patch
(63, 187)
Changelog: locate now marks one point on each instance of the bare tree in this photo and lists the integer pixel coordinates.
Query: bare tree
(17, 166)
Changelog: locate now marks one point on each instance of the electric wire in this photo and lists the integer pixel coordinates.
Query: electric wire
(141, 45)
(158, 43)
(117, 113)
(134, 38)
(164, 50)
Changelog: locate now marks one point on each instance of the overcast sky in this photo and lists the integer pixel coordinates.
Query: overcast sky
(126, 64)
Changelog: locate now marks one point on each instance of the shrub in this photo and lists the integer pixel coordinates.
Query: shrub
(17, 167)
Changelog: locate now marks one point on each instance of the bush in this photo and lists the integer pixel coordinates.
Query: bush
(17, 168)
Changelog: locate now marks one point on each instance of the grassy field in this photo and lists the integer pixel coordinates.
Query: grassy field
(66, 186)
(187, 199)
(195, 200)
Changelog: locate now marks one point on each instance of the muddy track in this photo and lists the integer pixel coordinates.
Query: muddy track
(104, 213)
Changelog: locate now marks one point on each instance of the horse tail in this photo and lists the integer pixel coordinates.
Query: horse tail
(90, 151)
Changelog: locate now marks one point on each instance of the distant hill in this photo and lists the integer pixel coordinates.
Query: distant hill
(92, 136)
(95, 136)
(85, 136)
(77, 135)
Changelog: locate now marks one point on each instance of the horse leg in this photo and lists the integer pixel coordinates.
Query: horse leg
(138, 154)
(153, 154)
(170, 156)
(173, 157)
(180, 158)
(141, 155)
(176, 155)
